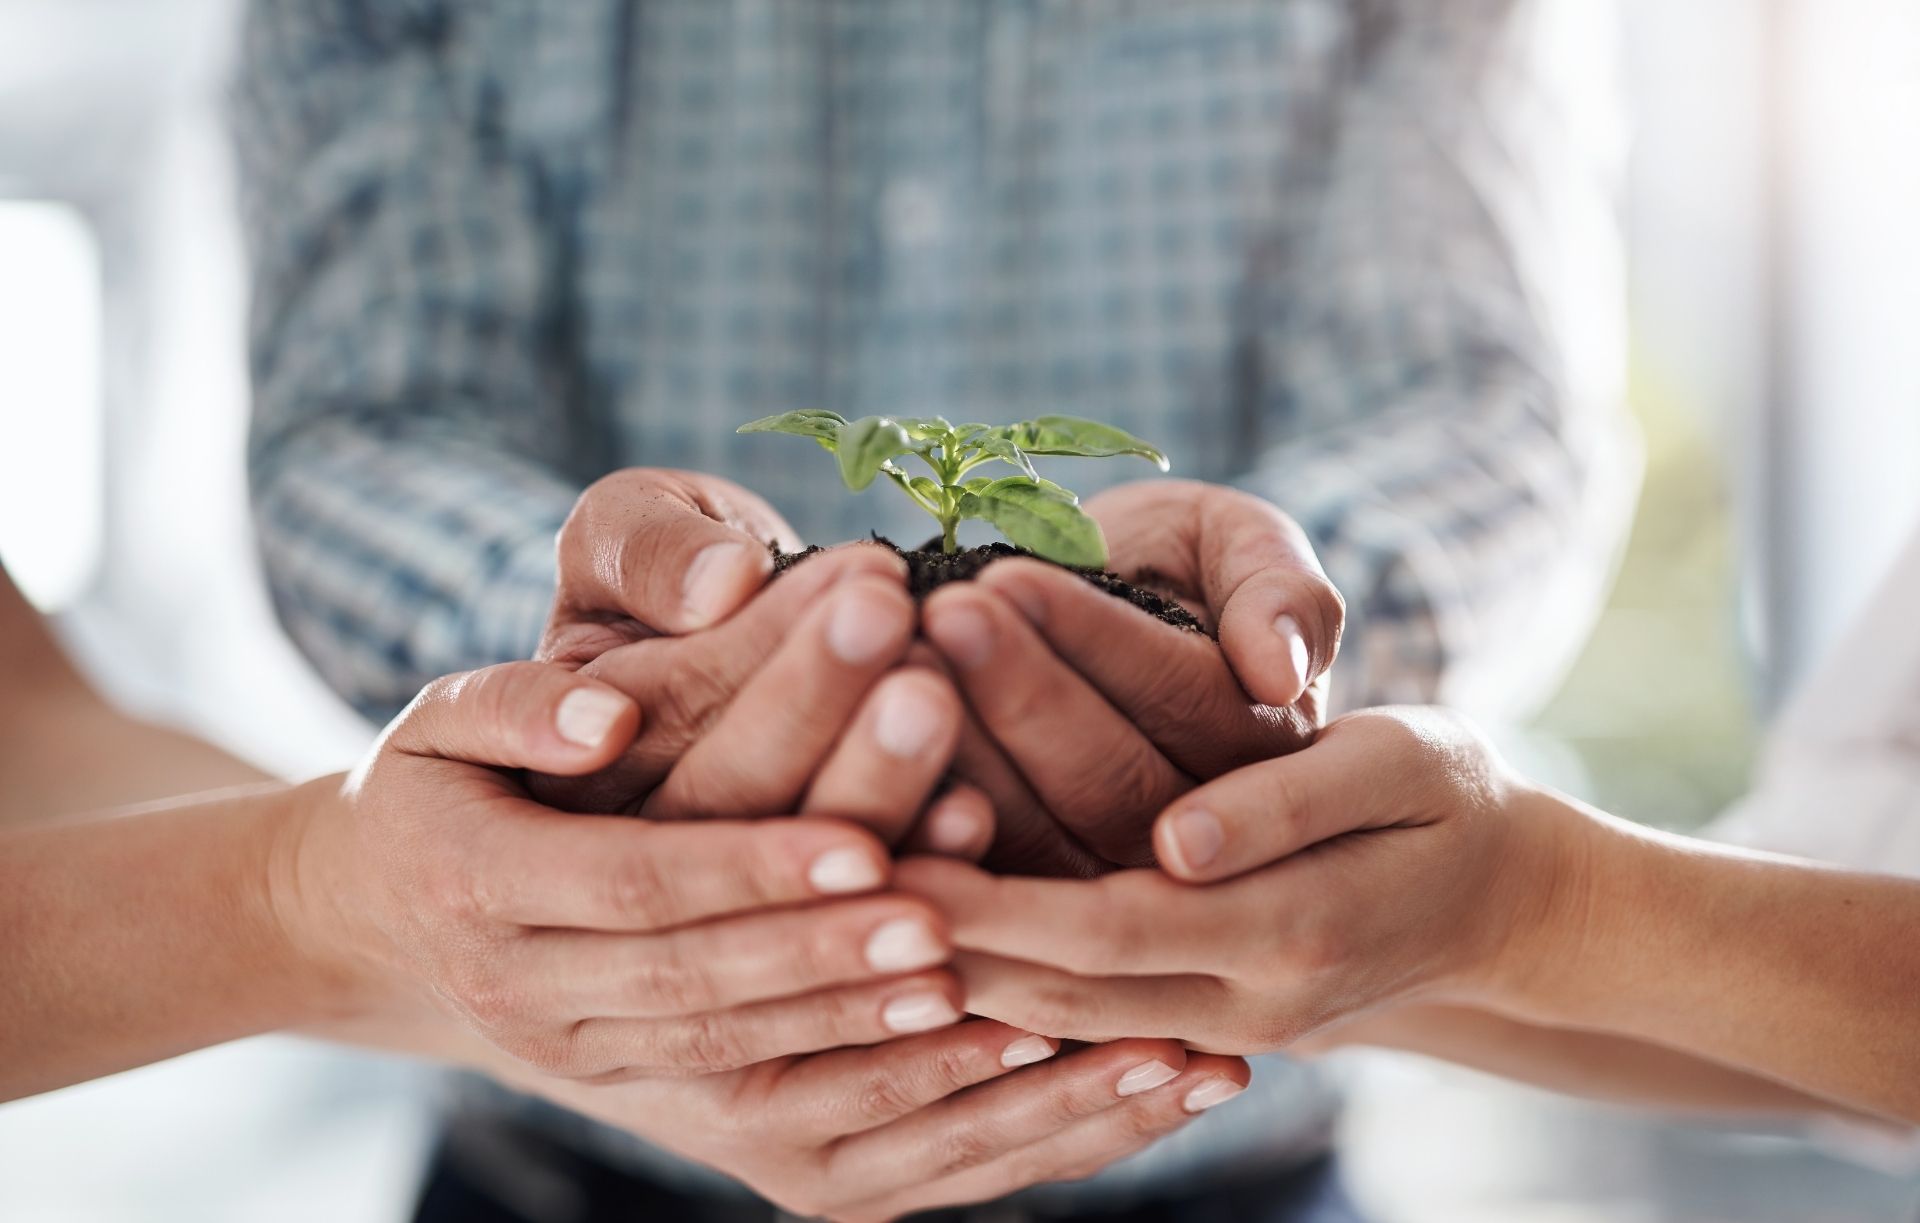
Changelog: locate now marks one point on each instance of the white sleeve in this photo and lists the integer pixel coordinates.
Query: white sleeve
(1839, 779)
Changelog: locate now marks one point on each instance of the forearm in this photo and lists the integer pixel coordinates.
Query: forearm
(68, 751)
(64, 749)
(1796, 971)
(1594, 1065)
(137, 938)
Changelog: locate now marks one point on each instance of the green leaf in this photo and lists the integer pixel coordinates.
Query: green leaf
(925, 429)
(817, 423)
(1072, 435)
(865, 444)
(1047, 521)
(1000, 448)
(925, 492)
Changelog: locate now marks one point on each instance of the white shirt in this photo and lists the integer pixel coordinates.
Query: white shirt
(1839, 779)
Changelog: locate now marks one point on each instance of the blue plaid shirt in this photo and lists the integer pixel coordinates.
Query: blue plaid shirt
(1354, 255)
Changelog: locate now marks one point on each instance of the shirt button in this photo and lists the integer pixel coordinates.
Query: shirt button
(912, 214)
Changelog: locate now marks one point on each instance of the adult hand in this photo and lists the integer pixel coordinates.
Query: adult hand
(593, 948)
(1095, 715)
(1395, 858)
(940, 1119)
(651, 551)
(786, 675)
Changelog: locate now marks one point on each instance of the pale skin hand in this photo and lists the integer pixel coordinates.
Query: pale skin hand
(595, 948)
(742, 716)
(580, 946)
(1397, 863)
(923, 1122)
(1153, 710)
(218, 928)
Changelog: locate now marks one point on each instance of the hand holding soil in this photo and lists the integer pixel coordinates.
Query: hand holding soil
(1082, 715)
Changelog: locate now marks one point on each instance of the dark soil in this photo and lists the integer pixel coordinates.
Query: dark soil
(928, 569)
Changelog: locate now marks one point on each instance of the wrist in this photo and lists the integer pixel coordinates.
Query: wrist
(1580, 878)
(308, 895)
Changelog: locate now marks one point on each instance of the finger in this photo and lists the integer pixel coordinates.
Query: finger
(719, 964)
(967, 1131)
(959, 824)
(847, 1091)
(1026, 838)
(758, 757)
(1350, 779)
(613, 1050)
(1129, 923)
(541, 868)
(1279, 619)
(1092, 768)
(518, 715)
(1072, 1006)
(887, 764)
(1175, 686)
(670, 551)
(1081, 1150)
(686, 683)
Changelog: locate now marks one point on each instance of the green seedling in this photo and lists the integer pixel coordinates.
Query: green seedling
(1032, 513)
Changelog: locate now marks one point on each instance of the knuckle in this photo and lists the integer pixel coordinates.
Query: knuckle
(1318, 948)
(495, 700)
(1068, 1102)
(706, 1044)
(666, 984)
(1143, 1123)
(554, 1054)
(638, 891)
(1124, 833)
(493, 1002)
(1050, 1010)
(960, 1148)
(814, 954)
(454, 893)
(883, 1096)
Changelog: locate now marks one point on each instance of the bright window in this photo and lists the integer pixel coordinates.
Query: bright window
(50, 407)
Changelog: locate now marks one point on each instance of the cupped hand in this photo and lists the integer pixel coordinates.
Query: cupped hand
(596, 948)
(962, 1115)
(1394, 859)
(1094, 715)
(649, 551)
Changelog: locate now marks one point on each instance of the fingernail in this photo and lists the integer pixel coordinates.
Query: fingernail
(862, 628)
(1197, 838)
(586, 715)
(1296, 645)
(918, 1013)
(1210, 1093)
(711, 583)
(963, 635)
(907, 721)
(1144, 1077)
(839, 871)
(953, 830)
(1026, 1051)
(903, 945)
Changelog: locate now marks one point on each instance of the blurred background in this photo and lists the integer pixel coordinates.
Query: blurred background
(1772, 212)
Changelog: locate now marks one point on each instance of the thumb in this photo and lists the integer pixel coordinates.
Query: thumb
(673, 551)
(1279, 617)
(523, 715)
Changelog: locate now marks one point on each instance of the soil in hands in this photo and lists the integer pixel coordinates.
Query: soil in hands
(928, 569)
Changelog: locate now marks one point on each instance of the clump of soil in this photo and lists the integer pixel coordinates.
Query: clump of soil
(928, 569)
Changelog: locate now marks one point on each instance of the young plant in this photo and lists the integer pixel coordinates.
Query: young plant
(1033, 513)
